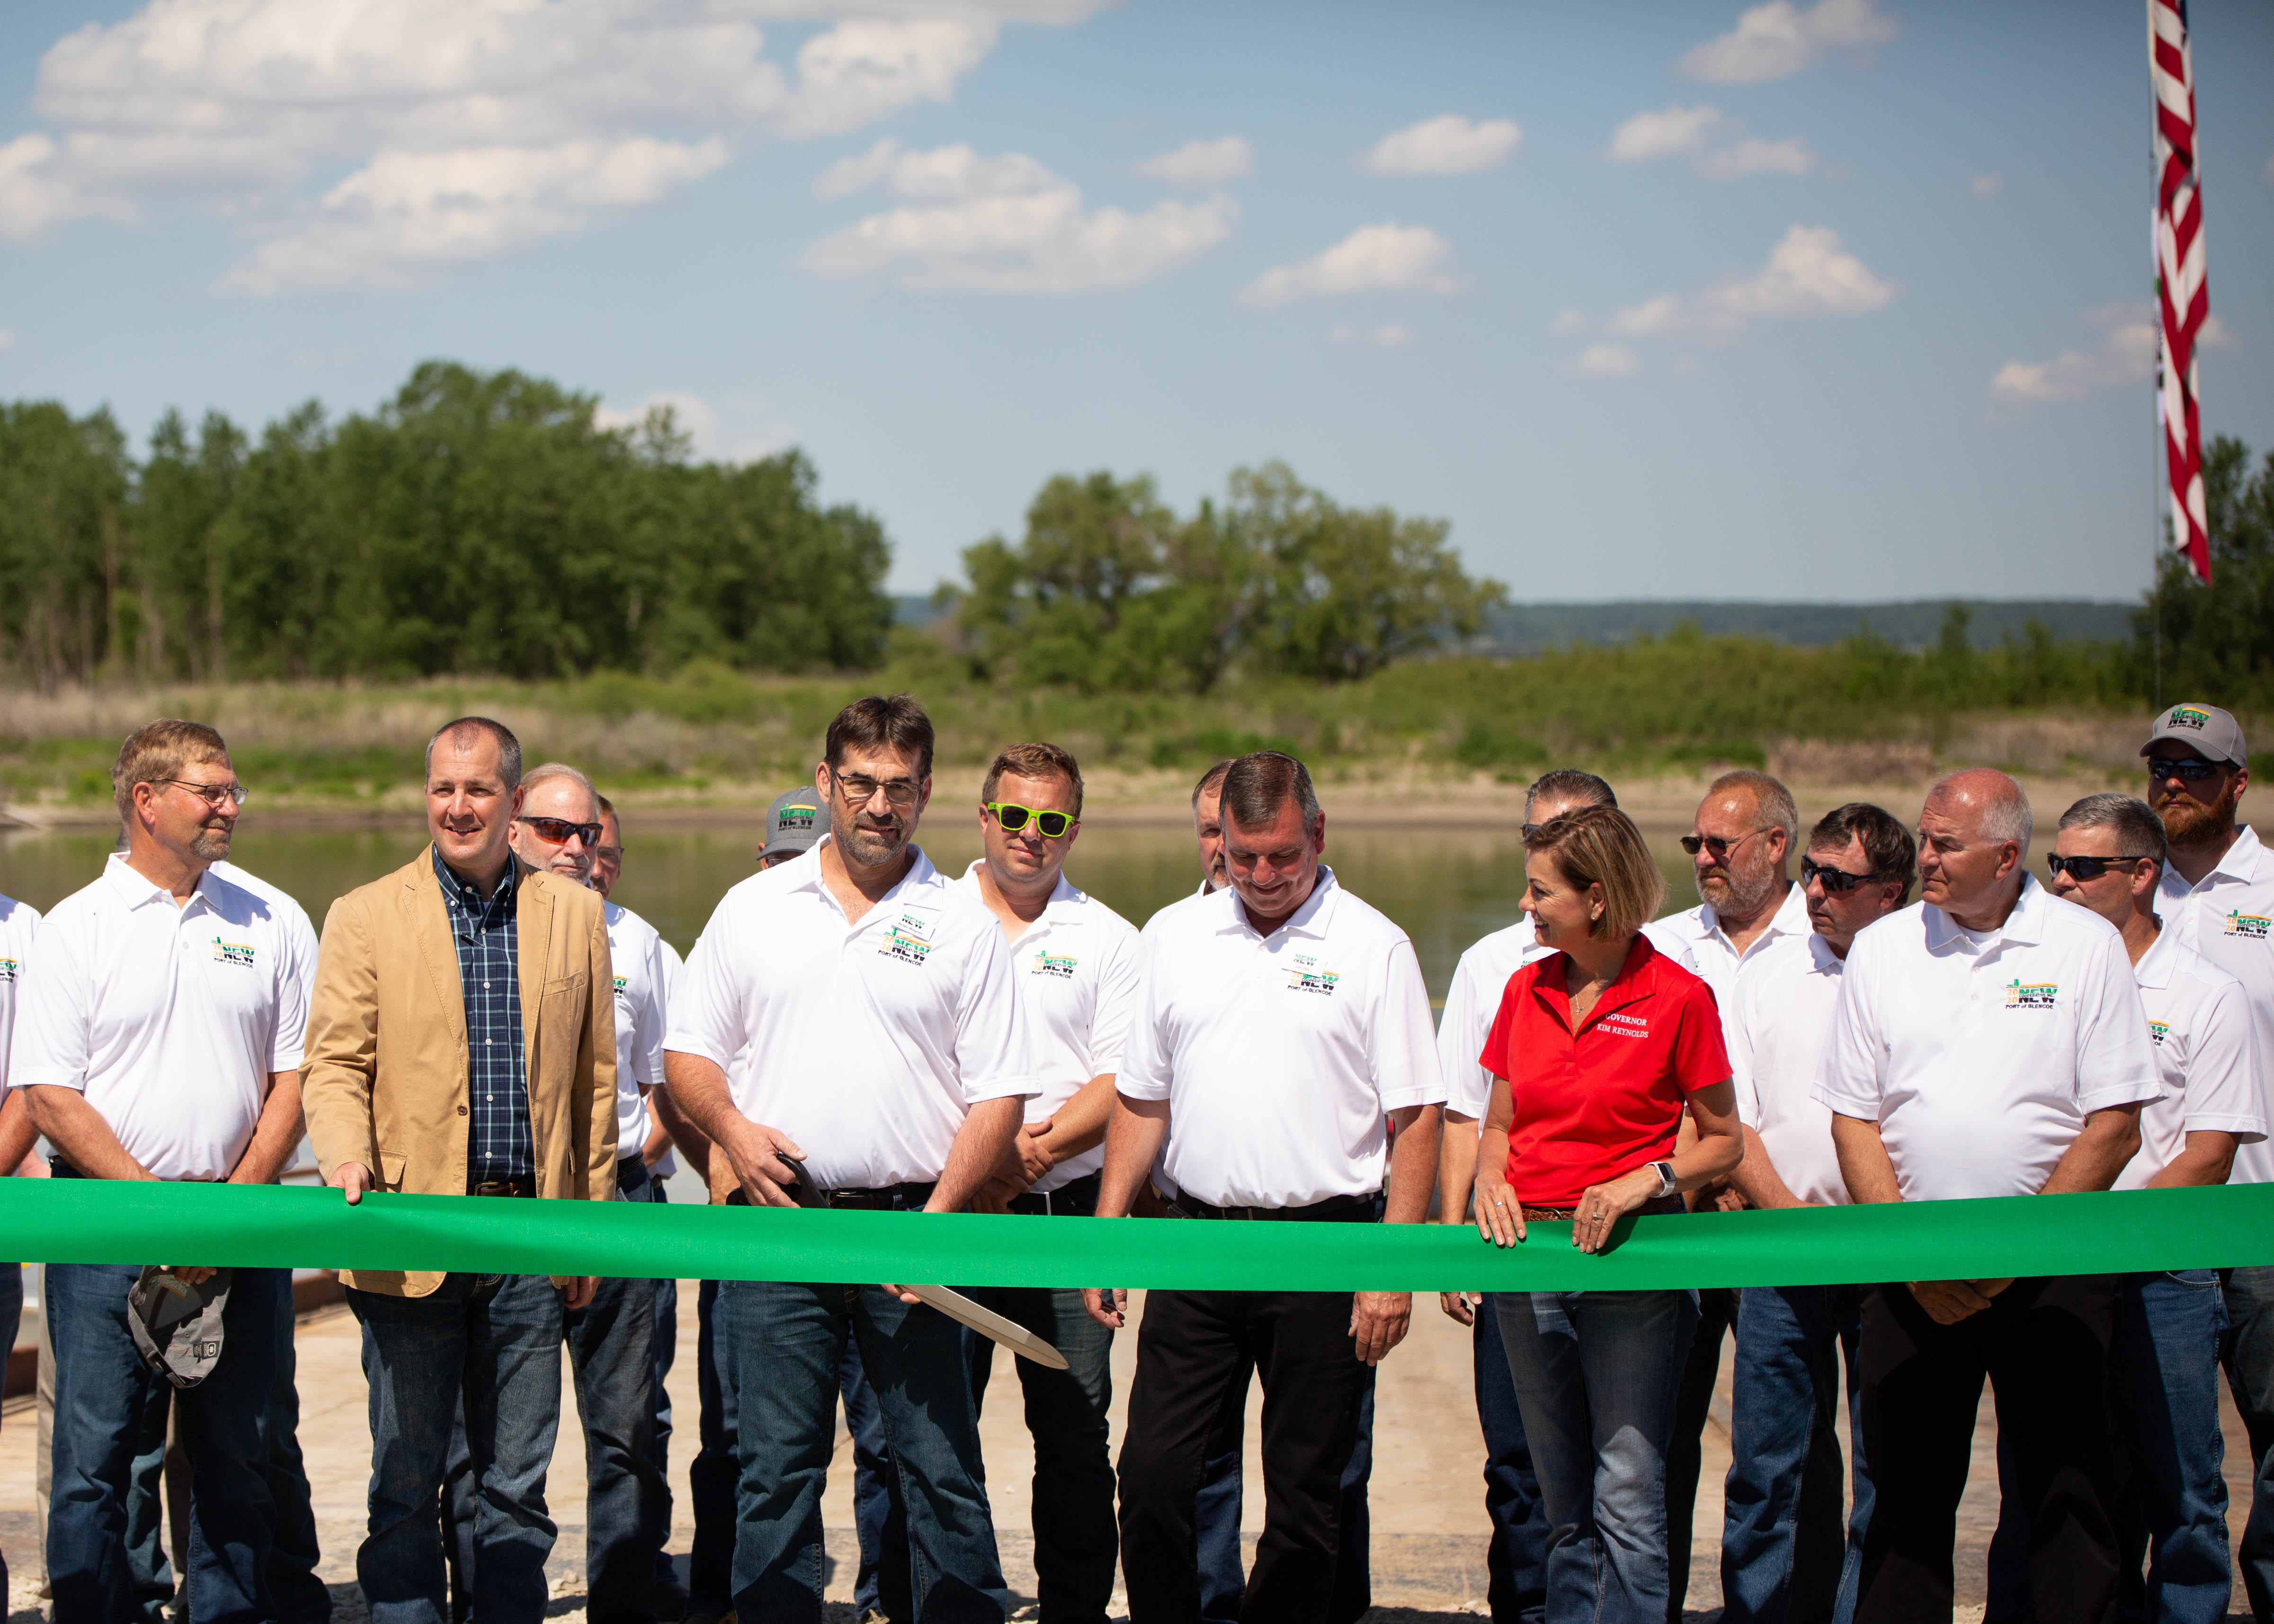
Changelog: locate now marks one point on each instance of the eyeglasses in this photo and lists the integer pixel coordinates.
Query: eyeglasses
(1014, 818)
(212, 794)
(858, 791)
(1836, 880)
(556, 831)
(2084, 867)
(2186, 769)
(1715, 844)
(1531, 831)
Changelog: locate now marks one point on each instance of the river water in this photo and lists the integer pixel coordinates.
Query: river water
(1446, 888)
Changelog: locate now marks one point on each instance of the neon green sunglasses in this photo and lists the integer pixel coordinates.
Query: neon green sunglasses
(1014, 818)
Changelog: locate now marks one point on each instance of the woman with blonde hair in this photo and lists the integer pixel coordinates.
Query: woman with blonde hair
(1598, 1049)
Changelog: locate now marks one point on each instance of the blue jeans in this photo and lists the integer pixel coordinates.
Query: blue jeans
(494, 1342)
(880, 1522)
(1216, 1511)
(1515, 1562)
(1784, 1554)
(105, 1398)
(779, 1345)
(2249, 1357)
(1077, 1540)
(1595, 1374)
(667, 1349)
(301, 1597)
(2169, 1504)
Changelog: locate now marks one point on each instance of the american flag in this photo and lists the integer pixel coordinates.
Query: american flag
(2182, 301)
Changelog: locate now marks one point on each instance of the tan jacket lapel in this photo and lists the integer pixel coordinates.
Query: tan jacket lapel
(532, 952)
(430, 926)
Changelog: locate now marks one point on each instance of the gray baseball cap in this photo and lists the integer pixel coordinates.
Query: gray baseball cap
(2209, 732)
(792, 823)
(176, 1326)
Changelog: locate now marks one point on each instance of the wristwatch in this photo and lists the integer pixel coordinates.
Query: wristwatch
(1667, 1182)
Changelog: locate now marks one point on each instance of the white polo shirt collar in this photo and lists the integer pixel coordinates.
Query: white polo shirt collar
(1074, 972)
(2023, 927)
(866, 1042)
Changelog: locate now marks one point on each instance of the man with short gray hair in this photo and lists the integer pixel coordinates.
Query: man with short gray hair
(1988, 1041)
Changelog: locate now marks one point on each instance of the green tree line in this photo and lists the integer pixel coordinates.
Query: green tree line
(475, 523)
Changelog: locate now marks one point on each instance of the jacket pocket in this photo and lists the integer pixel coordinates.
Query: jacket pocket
(390, 1170)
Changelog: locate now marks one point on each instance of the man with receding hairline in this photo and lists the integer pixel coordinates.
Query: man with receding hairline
(1279, 1026)
(1988, 1040)
(462, 1042)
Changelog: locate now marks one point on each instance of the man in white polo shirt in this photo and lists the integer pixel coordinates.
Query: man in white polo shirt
(1516, 1561)
(1785, 1553)
(1278, 1024)
(19, 922)
(1740, 845)
(158, 1034)
(2218, 897)
(1074, 969)
(2163, 1378)
(1988, 1043)
(851, 1014)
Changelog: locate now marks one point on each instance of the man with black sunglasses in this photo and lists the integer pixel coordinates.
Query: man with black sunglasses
(1074, 973)
(1785, 1555)
(2218, 897)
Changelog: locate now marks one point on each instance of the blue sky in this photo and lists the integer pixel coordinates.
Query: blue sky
(1841, 300)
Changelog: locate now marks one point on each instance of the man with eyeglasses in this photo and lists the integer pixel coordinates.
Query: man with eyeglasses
(2218, 897)
(1074, 971)
(847, 1035)
(158, 1034)
(462, 1042)
(1785, 1556)
(611, 1339)
(1988, 1041)
(2163, 1369)
(1279, 1029)
(1740, 847)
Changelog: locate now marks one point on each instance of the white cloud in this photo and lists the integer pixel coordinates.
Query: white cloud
(1390, 336)
(1004, 224)
(1986, 186)
(1714, 144)
(7, 338)
(1200, 165)
(747, 430)
(1606, 361)
(1780, 38)
(1808, 273)
(1568, 322)
(1384, 258)
(1446, 145)
(2122, 356)
(465, 127)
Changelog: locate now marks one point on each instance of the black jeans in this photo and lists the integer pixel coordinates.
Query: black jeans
(2043, 1346)
(1191, 1348)
(1693, 1400)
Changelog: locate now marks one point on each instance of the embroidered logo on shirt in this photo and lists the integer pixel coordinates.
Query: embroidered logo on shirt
(233, 952)
(2251, 927)
(1058, 965)
(1618, 1023)
(8, 969)
(2157, 1031)
(2031, 995)
(622, 982)
(909, 939)
(1305, 976)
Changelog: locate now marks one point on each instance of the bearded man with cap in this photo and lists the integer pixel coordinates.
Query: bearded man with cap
(2216, 897)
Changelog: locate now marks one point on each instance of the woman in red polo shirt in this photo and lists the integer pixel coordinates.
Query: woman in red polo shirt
(1599, 1049)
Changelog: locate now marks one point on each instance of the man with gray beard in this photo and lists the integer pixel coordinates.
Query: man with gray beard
(1740, 845)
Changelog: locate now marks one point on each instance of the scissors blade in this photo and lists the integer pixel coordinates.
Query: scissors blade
(991, 1324)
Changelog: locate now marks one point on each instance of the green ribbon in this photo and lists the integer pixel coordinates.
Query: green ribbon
(87, 1221)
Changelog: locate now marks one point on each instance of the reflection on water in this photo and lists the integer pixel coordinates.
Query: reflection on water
(1446, 889)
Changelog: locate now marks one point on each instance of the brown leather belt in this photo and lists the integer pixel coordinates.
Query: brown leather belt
(1655, 1207)
(506, 1186)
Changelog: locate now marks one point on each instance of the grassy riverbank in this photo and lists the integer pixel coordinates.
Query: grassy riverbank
(1857, 713)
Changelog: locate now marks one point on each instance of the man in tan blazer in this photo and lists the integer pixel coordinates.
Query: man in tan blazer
(461, 1041)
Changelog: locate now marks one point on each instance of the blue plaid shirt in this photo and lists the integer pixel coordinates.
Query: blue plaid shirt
(489, 971)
